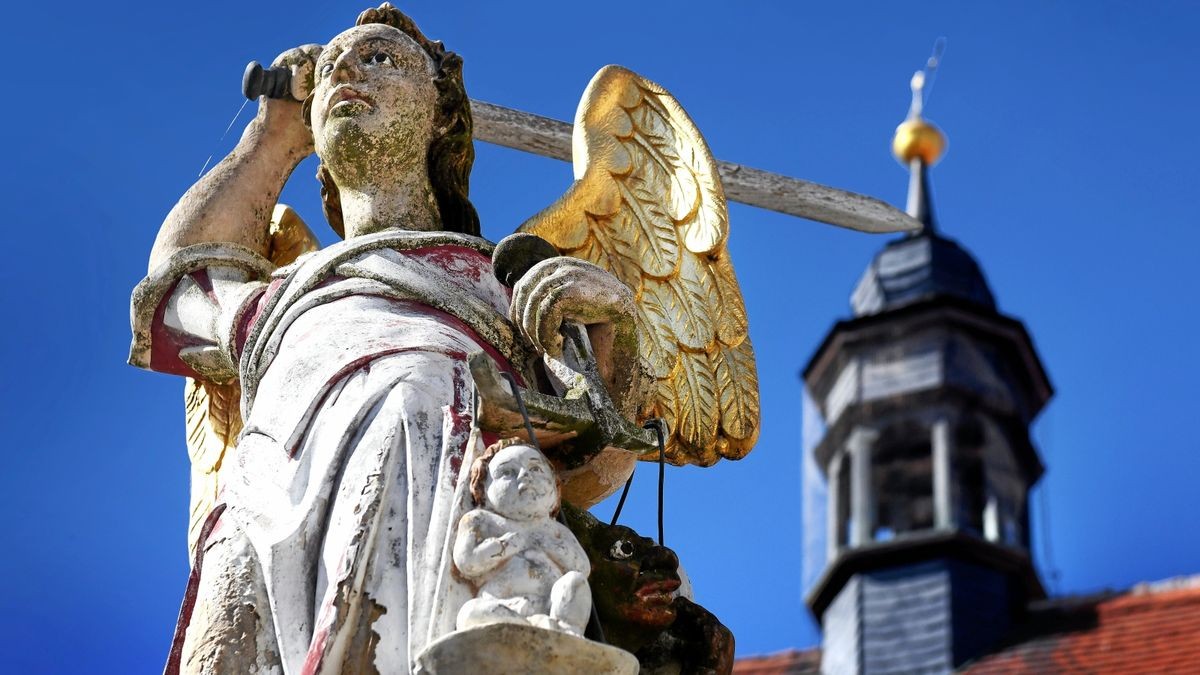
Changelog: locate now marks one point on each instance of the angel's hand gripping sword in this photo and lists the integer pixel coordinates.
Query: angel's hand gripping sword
(583, 411)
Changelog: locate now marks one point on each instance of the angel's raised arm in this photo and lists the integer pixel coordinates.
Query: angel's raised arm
(232, 203)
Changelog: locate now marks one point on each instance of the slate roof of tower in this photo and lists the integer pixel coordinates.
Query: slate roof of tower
(920, 267)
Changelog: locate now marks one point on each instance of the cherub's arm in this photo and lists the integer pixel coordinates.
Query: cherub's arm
(475, 551)
(232, 203)
(564, 549)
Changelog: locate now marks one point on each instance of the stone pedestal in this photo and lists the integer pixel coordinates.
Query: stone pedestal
(515, 649)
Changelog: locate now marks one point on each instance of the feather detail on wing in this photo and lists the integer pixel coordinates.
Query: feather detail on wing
(212, 411)
(648, 206)
(213, 422)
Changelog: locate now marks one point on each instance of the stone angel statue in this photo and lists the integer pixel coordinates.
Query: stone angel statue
(330, 405)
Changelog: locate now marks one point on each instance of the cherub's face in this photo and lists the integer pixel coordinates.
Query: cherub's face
(520, 484)
(373, 104)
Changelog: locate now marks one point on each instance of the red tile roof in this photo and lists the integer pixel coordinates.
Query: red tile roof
(1151, 629)
(790, 662)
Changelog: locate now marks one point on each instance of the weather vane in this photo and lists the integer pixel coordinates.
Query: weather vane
(922, 80)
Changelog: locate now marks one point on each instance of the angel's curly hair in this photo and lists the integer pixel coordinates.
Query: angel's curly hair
(451, 152)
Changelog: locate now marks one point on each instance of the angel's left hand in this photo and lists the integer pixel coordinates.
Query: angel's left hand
(569, 289)
(566, 289)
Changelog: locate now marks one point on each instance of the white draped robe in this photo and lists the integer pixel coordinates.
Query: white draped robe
(358, 406)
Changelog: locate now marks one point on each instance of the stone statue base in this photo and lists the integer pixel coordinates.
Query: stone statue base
(515, 649)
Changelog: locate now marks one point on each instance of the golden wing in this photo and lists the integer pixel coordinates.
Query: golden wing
(212, 411)
(648, 206)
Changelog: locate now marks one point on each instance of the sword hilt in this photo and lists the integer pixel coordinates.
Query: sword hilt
(271, 82)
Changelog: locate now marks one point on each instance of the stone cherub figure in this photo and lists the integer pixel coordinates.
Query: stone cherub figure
(527, 566)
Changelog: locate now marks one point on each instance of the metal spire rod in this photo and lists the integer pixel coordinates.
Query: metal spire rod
(549, 137)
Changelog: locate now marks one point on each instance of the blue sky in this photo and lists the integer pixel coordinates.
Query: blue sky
(1071, 175)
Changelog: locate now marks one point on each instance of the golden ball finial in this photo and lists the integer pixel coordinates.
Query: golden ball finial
(917, 138)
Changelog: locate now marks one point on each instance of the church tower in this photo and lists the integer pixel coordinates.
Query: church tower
(927, 395)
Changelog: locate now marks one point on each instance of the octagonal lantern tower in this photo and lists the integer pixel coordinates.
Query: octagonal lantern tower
(927, 395)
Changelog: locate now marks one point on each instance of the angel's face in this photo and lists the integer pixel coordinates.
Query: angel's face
(521, 484)
(373, 105)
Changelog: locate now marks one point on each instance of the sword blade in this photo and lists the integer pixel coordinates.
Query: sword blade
(549, 137)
